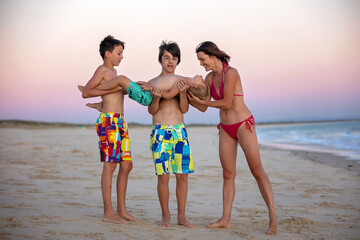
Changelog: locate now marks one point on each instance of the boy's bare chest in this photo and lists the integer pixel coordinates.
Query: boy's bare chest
(108, 76)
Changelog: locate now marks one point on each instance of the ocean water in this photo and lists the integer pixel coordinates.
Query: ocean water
(340, 138)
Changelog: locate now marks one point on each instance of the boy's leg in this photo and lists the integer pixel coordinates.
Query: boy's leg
(163, 194)
(181, 196)
(119, 81)
(182, 165)
(121, 185)
(106, 182)
(98, 106)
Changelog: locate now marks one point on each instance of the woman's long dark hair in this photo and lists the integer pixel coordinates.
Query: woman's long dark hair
(211, 49)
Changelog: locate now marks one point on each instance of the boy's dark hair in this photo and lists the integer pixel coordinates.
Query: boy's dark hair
(108, 44)
(211, 49)
(172, 48)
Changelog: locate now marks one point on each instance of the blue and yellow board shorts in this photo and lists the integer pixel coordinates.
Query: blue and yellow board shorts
(171, 149)
(114, 141)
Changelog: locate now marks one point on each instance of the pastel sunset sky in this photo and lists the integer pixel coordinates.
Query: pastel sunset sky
(298, 60)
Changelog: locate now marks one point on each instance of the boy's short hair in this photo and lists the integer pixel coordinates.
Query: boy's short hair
(172, 48)
(108, 44)
(200, 91)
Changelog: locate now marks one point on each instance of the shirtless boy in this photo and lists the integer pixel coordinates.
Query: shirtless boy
(114, 141)
(168, 140)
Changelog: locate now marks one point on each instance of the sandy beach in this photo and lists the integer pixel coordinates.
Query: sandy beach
(50, 189)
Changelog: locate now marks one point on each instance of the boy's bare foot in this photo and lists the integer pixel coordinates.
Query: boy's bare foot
(128, 217)
(185, 223)
(272, 226)
(165, 222)
(97, 106)
(81, 88)
(220, 224)
(114, 219)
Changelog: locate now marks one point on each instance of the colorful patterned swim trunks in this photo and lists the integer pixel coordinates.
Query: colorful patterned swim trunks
(137, 94)
(114, 141)
(170, 149)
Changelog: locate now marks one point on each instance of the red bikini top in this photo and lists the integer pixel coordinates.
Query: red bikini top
(213, 90)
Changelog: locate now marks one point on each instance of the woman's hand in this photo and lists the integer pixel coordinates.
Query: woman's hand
(193, 98)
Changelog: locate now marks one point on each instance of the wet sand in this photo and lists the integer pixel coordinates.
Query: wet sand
(50, 189)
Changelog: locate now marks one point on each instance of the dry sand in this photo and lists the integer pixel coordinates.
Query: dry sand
(50, 189)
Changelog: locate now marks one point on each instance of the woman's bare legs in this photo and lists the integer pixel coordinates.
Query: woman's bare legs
(227, 152)
(249, 144)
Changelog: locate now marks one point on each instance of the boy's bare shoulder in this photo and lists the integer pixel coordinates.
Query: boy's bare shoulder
(105, 72)
(101, 70)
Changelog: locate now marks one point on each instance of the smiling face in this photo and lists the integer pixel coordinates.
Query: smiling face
(116, 55)
(206, 61)
(168, 62)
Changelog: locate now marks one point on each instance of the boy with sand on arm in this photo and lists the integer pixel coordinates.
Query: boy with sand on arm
(114, 141)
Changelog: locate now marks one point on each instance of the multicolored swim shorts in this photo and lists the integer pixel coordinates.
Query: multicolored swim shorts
(114, 141)
(136, 93)
(170, 149)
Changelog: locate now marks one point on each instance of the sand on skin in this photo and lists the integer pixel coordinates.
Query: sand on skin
(50, 189)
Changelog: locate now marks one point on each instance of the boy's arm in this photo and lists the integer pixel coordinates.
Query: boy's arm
(90, 88)
(184, 104)
(154, 105)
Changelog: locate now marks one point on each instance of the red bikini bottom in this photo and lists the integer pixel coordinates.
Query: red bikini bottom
(233, 128)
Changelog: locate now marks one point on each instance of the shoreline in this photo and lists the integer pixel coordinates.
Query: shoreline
(326, 158)
(34, 123)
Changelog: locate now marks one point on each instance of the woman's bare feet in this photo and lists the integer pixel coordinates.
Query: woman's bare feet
(185, 223)
(114, 219)
(222, 223)
(272, 226)
(98, 106)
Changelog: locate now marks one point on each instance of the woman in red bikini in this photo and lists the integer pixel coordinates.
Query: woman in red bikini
(237, 126)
